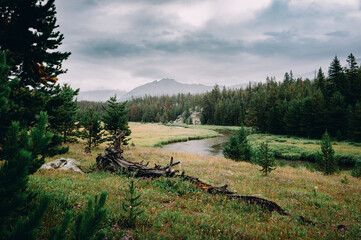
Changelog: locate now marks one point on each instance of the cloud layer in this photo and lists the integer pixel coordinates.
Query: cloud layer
(120, 44)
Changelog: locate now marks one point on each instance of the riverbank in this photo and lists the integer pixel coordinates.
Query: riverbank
(174, 209)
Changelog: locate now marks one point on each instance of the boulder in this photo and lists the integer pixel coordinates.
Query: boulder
(67, 164)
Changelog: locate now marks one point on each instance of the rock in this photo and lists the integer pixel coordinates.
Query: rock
(194, 118)
(67, 164)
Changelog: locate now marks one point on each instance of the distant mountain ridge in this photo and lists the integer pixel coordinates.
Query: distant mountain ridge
(99, 95)
(166, 86)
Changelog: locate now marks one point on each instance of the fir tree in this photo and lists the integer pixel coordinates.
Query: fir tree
(86, 225)
(326, 161)
(28, 33)
(116, 119)
(131, 206)
(355, 122)
(63, 110)
(336, 78)
(356, 172)
(237, 147)
(92, 130)
(264, 157)
(20, 152)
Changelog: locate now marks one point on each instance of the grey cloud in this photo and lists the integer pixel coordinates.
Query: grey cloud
(338, 34)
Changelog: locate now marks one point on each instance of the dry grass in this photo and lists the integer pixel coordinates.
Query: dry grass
(176, 210)
(149, 134)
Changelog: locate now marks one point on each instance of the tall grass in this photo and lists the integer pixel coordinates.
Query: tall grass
(174, 209)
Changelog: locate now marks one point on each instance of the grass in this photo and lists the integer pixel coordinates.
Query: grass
(177, 210)
(293, 148)
(150, 135)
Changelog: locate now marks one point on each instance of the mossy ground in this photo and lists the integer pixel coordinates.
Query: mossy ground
(177, 210)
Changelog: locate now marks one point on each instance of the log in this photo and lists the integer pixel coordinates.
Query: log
(113, 161)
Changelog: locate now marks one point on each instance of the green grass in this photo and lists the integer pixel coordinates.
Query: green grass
(294, 148)
(174, 209)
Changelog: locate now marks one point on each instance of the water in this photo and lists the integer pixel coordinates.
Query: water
(208, 146)
(214, 147)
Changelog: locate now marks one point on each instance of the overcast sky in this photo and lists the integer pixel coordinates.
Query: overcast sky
(121, 44)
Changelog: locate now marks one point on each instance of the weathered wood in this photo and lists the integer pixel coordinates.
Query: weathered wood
(113, 161)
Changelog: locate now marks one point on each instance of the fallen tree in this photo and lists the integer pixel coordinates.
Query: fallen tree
(113, 161)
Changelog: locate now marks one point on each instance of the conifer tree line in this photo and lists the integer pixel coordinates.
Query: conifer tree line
(298, 107)
(162, 108)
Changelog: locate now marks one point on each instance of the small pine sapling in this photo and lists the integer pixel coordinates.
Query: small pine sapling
(264, 157)
(237, 147)
(86, 225)
(326, 160)
(356, 172)
(130, 206)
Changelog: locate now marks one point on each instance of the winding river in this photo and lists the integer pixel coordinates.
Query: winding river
(208, 146)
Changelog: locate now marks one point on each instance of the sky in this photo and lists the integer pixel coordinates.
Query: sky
(122, 44)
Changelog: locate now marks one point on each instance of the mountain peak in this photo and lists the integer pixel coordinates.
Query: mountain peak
(166, 86)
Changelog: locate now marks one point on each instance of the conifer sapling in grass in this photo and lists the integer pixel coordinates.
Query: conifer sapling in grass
(265, 158)
(131, 206)
(237, 147)
(326, 160)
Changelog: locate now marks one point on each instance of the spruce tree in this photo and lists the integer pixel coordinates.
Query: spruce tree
(264, 157)
(326, 160)
(63, 110)
(20, 155)
(92, 131)
(116, 119)
(237, 147)
(355, 122)
(130, 206)
(336, 78)
(28, 33)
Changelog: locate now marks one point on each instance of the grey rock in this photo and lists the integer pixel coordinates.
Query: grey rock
(67, 164)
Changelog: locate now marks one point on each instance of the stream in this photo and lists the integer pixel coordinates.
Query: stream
(214, 147)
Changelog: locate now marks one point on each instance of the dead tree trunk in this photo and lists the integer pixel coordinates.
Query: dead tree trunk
(113, 161)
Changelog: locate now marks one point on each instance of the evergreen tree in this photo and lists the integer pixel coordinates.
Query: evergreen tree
(237, 147)
(28, 33)
(293, 118)
(63, 111)
(116, 119)
(326, 161)
(92, 130)
(131, 206)
(355, 122)
(337, 115)
(353, 78)
(20, 152)
(87, 223)
(336, 78)
(264, 157)
(356, 172)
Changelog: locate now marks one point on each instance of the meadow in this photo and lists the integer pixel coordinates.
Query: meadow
(175, 209)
